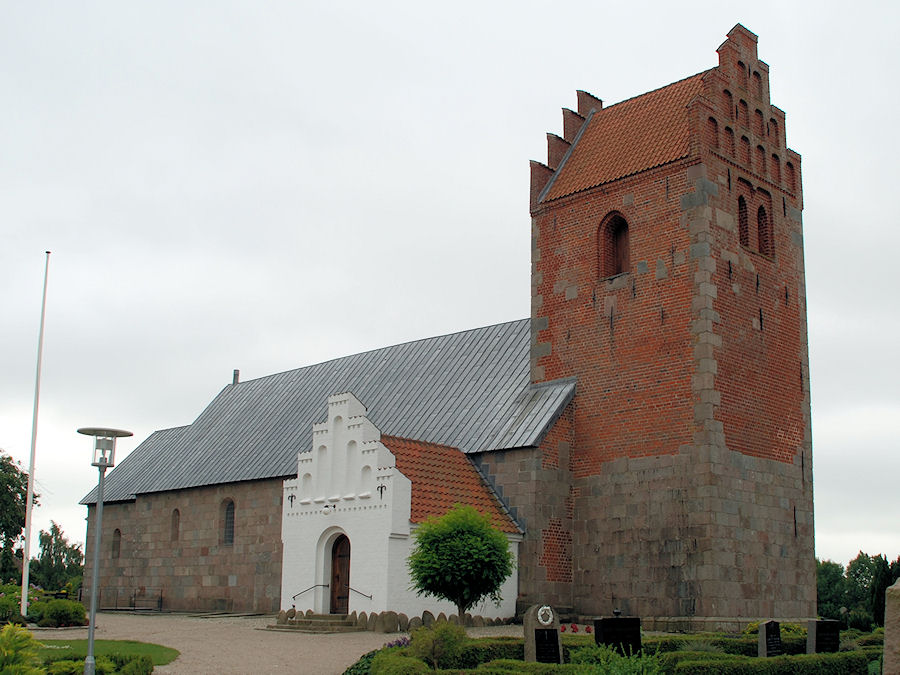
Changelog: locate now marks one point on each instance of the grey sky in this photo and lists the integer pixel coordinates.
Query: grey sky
(268, 185)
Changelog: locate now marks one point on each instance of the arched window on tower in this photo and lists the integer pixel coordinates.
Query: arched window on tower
(759, 123)
(743, 223)
(765, 232)
(745, 152)
(614, 256)
(728, 104)
(743, 113)
(227, 522)
(758, 83)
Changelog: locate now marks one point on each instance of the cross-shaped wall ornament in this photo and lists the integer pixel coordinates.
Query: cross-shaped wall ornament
(381, 488)
(291, 499)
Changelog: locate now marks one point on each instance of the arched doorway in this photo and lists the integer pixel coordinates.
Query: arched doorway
(340, 575)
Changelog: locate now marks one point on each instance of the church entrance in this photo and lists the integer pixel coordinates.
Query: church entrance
(340, 575)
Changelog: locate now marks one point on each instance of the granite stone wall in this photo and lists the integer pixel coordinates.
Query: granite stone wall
(186, 557)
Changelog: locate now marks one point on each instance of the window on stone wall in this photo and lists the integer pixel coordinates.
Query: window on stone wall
(728, 104)
(743, 223)
(773, 130)
(743, 113)
(228, 522)
(729, 141)
(759, 124)
(791, 177)
(745, 152)
(176, 524)
(758, 83)
(614, 253)
(776, 169)
(117, 543)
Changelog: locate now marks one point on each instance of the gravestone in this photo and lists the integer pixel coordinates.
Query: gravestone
(622, 633)
(404, 622)
(362, 621)
(892, 629)
(370, 626)
(823, 636)
(415, 622)
(427, 618)
(542, 639)
(281, 619)
(770, 639)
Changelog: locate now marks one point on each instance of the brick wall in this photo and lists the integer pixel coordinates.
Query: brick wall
(690, 461)
(195, 569)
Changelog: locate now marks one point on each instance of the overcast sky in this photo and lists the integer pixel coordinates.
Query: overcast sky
(266, 185)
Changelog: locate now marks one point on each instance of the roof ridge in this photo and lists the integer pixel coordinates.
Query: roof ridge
(658, 89)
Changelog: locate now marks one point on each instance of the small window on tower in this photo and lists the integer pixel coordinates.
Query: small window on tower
(227, 522)
(743, 224)
(614, 254)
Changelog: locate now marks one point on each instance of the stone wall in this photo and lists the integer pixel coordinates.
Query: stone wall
(185, 557)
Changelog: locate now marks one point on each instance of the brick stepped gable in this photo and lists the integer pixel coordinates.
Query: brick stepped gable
(320, 623)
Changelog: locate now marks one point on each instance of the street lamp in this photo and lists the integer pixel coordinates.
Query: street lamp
(104, 457)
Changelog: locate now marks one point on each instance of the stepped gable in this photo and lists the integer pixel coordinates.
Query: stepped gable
(443, 477)
(626, 138)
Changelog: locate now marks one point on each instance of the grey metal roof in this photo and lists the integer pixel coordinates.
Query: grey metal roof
(468, 390)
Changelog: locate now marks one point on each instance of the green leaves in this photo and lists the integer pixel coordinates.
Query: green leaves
(460, 557)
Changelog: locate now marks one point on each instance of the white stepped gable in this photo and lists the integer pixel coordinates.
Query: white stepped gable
(349, 493)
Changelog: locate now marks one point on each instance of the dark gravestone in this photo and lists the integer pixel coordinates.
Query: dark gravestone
(770, 639)
(542, 639)
(622, 633)
(823, 636)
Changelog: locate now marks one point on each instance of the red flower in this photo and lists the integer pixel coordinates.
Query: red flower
(574, 628)
(587, 629)
(562, 628)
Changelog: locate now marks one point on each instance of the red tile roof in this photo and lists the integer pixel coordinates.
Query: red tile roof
(634, 135)
(442, 477)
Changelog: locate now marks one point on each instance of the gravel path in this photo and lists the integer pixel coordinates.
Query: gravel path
(228, 645)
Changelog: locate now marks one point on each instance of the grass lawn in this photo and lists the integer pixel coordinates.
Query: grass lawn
(77, 649)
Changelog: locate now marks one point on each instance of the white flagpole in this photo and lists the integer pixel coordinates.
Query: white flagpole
(29, 503)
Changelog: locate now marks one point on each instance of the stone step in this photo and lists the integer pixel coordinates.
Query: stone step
(318, 628)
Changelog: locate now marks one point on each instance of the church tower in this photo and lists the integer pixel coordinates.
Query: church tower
(668, 280)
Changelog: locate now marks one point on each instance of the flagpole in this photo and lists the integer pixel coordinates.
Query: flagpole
(29, 502)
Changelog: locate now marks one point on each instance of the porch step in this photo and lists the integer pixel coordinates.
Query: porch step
(319, 623)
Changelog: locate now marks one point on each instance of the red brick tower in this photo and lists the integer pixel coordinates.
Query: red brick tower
(667, 277)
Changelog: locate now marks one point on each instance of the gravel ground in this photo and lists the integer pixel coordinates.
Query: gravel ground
(232, 645)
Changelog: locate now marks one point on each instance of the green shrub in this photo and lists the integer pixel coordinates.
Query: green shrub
(392, 662)
(18, 651)
(57, 613)
(861, 620)
(438, 644)
(613, 662)
(363, 664)
(506, 666)
(483, 650)
(805, 664)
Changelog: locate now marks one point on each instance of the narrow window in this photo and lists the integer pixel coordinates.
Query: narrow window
(776, 169)
(712, 130)
(176, 524)
(728, 104)
(773, 129)
(742, 67)
(228, 523)
(743, 225)
(765, 231)
(791, 177)
(761, 159)
(729, 141)
(745, 152)
(743, 113)
(613, 250)
(758, 83)
(117, 544)
(759, 123)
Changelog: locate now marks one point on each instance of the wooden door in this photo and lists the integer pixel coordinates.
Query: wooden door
(340, 576)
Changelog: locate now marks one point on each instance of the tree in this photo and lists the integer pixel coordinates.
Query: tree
(58, 562)
(830, 588)
(460, 557)
(13, 493)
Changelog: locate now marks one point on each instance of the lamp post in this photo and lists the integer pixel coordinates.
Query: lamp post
(104, 458)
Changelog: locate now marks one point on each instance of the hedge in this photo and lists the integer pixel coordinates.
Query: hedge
(844, 663)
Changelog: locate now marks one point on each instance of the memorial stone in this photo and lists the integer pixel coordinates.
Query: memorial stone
(542, 639)
(441, 618)
(427, 619)
(373, 618)
(282, 618)
(622, 633)
(823, 636)
(362, 621)
(770, 639)
(404, 622)
(415, 622)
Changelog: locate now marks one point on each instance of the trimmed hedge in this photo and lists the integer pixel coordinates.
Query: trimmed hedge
(744, 646)
(506, 666)
(106, 664)
(846, 663)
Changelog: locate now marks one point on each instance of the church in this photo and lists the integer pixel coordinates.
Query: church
(643, 439)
